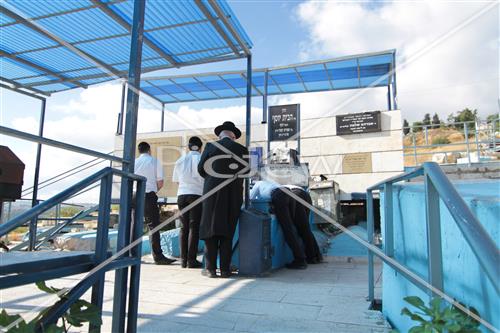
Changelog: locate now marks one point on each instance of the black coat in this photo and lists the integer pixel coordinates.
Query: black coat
(222, 209)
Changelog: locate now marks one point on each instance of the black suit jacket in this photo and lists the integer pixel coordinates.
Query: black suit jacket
(222, 209)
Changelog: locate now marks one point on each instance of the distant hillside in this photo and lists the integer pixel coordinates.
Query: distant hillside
(452, 141)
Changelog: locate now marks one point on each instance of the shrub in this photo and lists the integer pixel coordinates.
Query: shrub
(440, 140)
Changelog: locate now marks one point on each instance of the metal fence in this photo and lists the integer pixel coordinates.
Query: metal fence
(452, 143)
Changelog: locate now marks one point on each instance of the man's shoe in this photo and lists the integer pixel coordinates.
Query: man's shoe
(194, 264)
(208, 273)
(312, 261)
(164, 261)
(226, 275)
(297, 265)
(184, 263)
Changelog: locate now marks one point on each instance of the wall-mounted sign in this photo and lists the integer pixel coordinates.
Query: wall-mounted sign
(357, 163)
(356, 123)
(283, 122)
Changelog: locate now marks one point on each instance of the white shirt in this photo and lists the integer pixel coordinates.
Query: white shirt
(149, 167)
(262, 189)
(186, 174)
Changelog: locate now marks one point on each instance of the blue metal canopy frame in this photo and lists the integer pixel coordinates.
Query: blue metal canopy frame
(43, 51)
(351, 72)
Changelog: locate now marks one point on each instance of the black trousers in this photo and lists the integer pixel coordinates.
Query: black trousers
(152, 219)
(301, 219)
(222, 246)
(284, 208)
(190, 229)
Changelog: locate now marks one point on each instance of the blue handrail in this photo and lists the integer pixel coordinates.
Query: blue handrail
(438, 186)
(101, 263)
(60, 197)
(58, 144)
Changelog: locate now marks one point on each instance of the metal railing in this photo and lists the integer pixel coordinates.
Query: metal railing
(58, 144)
(94, 279)
(437, 187)
(479, 138)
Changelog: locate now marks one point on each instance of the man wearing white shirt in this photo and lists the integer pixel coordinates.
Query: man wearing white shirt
(190, 189)
(149, 167)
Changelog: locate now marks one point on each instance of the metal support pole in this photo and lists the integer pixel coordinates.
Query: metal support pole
(466, 134)
(101, 246)
(136, 251)
(414, 147)
(130, 136)
(34, 199)
(389, 106)
(298, 128)
(248, 122)
(478, 149)
(370, 232)
(122, 109)
(264, 98)
(426, 132)
(394, 86)
(162, 117)
(388, 219)
(433, 222)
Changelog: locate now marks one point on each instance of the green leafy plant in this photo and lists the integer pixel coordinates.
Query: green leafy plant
(79, 313)
(437, 318)
(440, 140)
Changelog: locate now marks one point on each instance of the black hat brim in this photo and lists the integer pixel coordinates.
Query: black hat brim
(224, 127)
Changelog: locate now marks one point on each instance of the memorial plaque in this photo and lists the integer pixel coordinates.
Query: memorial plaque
(283, 122)
(357, 163)
(357, 123)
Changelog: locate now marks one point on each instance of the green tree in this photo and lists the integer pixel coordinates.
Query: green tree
(450, 120)
(436, 122)
(427, 119)
(495, 117)
(406, 127)
(466, 115)
(417, 126)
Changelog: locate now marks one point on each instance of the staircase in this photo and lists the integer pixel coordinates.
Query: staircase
(21, 268)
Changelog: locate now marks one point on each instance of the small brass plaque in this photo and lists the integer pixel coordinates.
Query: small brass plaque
(357, 163)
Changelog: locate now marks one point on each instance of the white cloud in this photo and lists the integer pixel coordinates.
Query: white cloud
(460, 72)
(89, 120)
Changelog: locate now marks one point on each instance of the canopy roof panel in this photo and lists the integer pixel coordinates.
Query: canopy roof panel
(50, 46)
(352, 72)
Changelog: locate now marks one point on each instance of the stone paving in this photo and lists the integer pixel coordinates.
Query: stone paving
(329, 297)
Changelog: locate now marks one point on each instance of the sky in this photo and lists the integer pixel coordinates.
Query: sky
(447, 60)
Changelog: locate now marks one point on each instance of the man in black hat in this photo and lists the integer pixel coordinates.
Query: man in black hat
(221, 210)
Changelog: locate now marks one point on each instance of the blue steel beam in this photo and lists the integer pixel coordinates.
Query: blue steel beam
(230, 27)
(36, 178)
(433, 226)
(264, 98)
(136, 251)
(101, 241)
(46, 70)
(118, 19)
(370, 233)
(17, 88)
(130, 136)
(248, 123)
(215, 24)
(58, 144)
(485, 249)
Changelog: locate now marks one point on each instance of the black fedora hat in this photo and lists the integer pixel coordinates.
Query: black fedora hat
(228, 126)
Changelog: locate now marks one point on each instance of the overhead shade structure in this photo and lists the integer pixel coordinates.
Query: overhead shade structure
(43, 51)
(352, 72)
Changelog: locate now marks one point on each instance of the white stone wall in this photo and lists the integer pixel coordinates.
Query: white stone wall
(324, 150)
